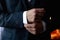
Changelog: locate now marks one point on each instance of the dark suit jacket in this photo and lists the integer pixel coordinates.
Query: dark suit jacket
(12, 21)
(11, 17)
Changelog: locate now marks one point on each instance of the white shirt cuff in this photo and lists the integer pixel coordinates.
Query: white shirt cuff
(24, 17)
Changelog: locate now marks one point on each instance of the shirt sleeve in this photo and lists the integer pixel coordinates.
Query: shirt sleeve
(24, 17)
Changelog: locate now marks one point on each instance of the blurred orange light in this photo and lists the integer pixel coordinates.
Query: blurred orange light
(55, 34)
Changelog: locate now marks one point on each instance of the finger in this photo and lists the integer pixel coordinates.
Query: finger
(31, 29)
(40, 9)
(33, 25)
(39, 14)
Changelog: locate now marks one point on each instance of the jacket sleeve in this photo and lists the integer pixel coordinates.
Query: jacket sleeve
(12, 20)
(14, 17)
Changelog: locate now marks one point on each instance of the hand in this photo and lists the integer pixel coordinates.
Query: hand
(30, 28)
(34, 14)
(34, 28)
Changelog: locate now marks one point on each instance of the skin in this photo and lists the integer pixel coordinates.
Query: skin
(34, 18)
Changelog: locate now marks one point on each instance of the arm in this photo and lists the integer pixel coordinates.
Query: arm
(12, 20)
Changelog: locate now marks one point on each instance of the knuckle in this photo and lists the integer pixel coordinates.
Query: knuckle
(34, 10)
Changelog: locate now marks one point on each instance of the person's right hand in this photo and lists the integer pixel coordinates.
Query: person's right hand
(34, 28)
(31, 14)
(30, 28)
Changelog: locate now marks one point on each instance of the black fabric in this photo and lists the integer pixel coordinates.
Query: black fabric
(4, 6)
(28, 4)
